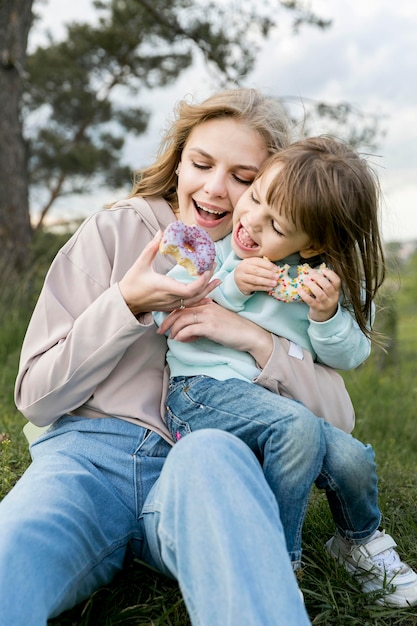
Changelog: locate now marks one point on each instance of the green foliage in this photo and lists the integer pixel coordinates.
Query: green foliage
(18, 295)
(80, 90)
(138, 596)
(385, 401)
(358, 129)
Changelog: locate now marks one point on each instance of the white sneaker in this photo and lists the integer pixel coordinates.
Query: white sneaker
(379, 567)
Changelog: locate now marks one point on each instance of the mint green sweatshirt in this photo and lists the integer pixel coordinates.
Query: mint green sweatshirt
(338, 343)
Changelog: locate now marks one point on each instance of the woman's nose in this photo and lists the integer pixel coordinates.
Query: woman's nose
(216, 184)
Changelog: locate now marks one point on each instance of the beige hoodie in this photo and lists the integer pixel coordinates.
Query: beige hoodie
(85, 353)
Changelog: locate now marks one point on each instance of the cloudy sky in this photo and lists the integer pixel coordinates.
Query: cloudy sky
(368, 57)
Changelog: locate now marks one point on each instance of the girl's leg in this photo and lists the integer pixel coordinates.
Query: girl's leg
(212, 522)
(285, 436)
(350, 480)
(65, 526)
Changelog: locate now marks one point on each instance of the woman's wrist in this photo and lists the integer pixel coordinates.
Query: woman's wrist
(261, 347)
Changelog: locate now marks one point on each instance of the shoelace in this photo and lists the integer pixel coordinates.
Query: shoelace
(388, 561)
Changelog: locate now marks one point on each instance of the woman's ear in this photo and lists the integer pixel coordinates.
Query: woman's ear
(308, 253)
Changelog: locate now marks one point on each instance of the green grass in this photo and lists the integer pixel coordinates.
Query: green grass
(384, 392)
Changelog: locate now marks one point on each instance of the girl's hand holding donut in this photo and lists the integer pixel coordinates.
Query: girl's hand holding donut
(255, 274)
(212, 321)
(321, 291)
(145, 290)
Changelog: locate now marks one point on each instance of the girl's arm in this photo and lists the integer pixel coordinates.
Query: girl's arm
(339, 342)
(240, 279)
(333, 331)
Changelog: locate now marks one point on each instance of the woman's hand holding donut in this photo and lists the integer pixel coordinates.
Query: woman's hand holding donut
(321, 291)
(212, 321)
(145, 290)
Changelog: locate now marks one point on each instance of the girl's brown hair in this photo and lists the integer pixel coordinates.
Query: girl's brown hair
(331, 193)
(263, 114)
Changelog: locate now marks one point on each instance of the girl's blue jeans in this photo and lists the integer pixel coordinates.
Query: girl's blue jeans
(202, 512)
(294, 447)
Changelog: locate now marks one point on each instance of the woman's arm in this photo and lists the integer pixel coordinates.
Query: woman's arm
(82, 326)
(212, 321)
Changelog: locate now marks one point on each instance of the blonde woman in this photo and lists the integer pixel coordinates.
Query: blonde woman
(104, 478)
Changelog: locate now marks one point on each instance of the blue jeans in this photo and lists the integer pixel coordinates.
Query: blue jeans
(349, 478)
(286, 437)
(294, 448)
(97, 486)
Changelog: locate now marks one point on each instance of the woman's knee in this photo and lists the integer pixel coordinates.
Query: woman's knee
(212, 465)
(205, 450)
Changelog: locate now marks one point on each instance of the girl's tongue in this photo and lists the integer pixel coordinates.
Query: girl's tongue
(245, 239)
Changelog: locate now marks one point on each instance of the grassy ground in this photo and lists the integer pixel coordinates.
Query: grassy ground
(384, 392)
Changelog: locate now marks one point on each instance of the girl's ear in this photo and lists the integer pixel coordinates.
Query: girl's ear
(308, 253)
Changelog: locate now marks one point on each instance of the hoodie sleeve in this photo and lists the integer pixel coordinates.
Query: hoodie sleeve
(81, 325)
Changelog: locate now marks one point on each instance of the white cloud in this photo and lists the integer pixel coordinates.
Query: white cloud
(368, 57)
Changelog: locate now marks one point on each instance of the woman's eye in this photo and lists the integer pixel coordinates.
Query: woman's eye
(242, 181)
(200, 166)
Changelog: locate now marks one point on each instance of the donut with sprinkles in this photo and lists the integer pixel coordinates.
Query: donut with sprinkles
(287, 287)
(191, 247)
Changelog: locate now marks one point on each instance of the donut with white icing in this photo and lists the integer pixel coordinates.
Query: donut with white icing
(191, 247)
(287, 287)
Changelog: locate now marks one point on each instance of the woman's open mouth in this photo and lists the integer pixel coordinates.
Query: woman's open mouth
(206, 217)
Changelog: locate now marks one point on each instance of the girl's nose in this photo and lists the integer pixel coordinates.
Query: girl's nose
(253, 218)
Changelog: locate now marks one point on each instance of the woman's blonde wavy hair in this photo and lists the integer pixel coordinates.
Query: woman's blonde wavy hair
(263, 114)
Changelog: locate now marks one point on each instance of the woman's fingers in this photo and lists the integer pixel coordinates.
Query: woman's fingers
(149, 252)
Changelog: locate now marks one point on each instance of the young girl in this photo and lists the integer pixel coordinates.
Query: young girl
(316, 201)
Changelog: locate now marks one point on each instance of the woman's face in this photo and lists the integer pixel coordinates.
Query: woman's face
(220, 160)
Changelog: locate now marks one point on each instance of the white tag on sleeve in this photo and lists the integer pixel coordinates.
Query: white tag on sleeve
(296, 351)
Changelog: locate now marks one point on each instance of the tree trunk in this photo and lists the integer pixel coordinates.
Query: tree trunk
(15, 229)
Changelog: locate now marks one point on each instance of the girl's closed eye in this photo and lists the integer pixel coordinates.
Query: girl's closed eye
(254, 198)
(276, 228)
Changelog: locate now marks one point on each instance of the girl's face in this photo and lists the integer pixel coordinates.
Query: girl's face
(261, 231)
(220, 160)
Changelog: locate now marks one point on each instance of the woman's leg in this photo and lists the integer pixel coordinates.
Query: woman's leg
(65, 526)
(212, 522)
(285, 436)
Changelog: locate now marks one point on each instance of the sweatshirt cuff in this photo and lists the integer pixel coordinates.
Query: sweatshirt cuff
(143, 319)
(329, 327)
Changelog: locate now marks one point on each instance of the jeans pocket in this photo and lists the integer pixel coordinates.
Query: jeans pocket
(177, 427)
